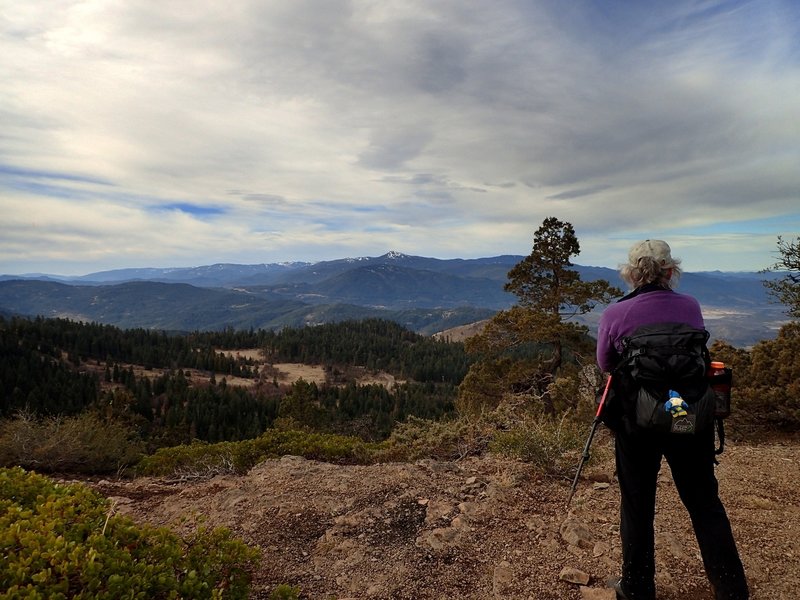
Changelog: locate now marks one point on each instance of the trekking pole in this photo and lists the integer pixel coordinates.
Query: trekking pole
(585, 457)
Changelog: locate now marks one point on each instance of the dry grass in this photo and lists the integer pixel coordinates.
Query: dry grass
(462, 332)
(286, 373)
(255, 354)
(291, 372)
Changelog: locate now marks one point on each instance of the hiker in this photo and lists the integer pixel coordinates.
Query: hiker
(651, 272)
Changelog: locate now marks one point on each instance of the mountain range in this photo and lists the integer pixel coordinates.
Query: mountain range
(424, 294)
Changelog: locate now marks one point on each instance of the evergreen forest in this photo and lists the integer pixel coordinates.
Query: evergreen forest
(98, 398)
(146, 380)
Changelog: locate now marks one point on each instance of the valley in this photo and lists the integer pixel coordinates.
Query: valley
(426, 295)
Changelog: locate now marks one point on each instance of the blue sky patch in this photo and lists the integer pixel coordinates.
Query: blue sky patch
(194, 209)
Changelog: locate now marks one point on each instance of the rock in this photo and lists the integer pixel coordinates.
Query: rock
(600, 548)
(603, 477)
(437, 509)
(468, 508)
(440, 538)
(601, 485)
(458, 522)
(576, 533)
(573, 575)
(471, 486)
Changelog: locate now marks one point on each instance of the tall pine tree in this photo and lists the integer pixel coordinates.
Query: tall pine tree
(523, 348)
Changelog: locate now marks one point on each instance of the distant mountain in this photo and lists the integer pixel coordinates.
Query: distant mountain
(421, 293)
(181, 307)
(174, 306)
(217, 275)
(398, 287)
(233, 275)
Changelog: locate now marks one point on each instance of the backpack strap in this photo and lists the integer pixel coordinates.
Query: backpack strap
(721, 434)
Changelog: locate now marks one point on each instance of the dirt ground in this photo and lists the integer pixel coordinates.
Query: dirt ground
(477, 529)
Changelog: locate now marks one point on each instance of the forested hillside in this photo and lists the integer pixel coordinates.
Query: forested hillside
(167, 389)
(182, 307)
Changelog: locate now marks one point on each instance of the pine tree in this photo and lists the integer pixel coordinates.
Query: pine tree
(787, 289)
(526, 344)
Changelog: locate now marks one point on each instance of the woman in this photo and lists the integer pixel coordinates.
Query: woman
(651, 272)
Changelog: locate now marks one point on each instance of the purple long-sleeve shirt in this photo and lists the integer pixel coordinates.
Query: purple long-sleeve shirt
(648, 308)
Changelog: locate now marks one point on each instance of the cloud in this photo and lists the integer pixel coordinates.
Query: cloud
(570, 194)
(390, 149)
(447, 129)
(9, 173)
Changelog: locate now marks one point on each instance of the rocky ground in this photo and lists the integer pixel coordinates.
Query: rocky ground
(476, 529)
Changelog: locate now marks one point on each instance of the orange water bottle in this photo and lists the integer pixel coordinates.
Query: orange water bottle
(720, 378)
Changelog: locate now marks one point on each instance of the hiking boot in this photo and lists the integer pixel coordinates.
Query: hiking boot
(615, 583)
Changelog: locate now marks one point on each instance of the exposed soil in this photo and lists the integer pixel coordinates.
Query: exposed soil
(477, 529)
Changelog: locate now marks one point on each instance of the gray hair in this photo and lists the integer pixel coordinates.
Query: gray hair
(648, 269)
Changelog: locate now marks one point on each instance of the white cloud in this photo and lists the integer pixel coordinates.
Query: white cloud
(443, 129)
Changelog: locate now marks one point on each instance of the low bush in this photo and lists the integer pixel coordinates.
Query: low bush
(553, 445)
(199, 460)
(285, 592)
(84, 443)
(61, 541)
(317, 446)
(450, 439)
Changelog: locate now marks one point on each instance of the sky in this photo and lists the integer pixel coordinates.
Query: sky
(184, 133)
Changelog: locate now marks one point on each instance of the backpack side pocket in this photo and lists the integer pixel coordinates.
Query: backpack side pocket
(650, 412)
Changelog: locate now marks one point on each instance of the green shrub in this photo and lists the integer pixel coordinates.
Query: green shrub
(766, 386)
(552, 445)
(317, 446)
(60, 541)
(199, 460)
(81, 444)
(285, 592)
(450, 439)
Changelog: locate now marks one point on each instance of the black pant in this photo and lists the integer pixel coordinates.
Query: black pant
(691, 459)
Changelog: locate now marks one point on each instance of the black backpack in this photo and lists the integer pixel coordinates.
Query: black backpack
(661, 382)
